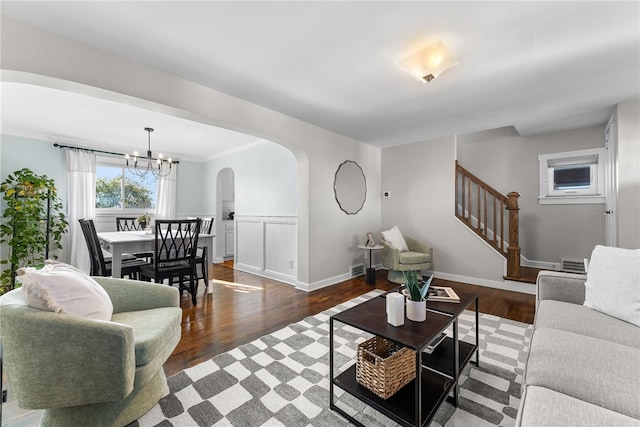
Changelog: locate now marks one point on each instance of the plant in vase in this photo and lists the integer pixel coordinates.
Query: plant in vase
(33, 223)
(416, 295)
(144, 220)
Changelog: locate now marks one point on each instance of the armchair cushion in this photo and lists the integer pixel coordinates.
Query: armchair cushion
(61, 288)
(413, 258)
(395, 238)
(613, 283)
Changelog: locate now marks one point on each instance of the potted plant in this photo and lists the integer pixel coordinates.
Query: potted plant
(144, 220)
(33, 223)
(416, 295)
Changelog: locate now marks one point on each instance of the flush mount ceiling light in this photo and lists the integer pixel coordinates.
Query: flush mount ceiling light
(427, 64)
(157, 166)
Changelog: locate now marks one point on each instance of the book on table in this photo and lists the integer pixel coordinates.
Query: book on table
(442, 294)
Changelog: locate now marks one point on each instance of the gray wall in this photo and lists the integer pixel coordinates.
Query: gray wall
(265, 180)
(421, 179)
(628, 120)
(509, 162)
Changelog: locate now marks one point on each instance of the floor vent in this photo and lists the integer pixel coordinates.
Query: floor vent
(357, 270)
(572, 265)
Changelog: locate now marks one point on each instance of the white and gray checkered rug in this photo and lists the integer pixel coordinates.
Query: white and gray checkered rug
(282, 379)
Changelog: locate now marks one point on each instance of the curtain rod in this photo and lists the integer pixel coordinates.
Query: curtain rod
(93, 150)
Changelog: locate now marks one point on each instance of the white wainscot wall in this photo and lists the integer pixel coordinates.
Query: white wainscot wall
(267, 246)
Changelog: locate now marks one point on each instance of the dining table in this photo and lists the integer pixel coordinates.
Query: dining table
(121, 242)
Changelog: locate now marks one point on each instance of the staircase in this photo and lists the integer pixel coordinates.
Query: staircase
(494, 218)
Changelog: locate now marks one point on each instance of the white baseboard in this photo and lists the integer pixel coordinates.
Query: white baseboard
(545, 265)
(290, 280)
(506, 285)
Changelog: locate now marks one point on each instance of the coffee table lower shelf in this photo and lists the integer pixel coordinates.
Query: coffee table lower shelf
(401, 406)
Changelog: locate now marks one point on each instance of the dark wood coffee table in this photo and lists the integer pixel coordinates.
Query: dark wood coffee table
(416, 403)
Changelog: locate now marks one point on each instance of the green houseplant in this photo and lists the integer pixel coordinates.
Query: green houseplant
(32, 222)
(416, 294)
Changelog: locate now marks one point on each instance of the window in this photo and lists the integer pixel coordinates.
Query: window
(117, 188)
(572, 177)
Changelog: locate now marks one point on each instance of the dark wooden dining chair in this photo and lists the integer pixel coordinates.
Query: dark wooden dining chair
(101, 259)
(125, 223)
(128, 223)
(174, 254)
(202, 257)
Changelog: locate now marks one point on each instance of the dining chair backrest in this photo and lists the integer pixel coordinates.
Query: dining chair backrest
(176, 240)
(206, 225)
(98, 265)
(128, 224)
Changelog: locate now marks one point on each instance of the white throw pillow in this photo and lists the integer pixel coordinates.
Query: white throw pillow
(613, 283)
(62, 288)
(394, 236)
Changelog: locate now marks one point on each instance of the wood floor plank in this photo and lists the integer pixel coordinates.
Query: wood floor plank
(244, 307)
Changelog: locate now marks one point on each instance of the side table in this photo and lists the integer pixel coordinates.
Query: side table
(371, 272)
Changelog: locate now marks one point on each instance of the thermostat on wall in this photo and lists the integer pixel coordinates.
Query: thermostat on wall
(387, 194)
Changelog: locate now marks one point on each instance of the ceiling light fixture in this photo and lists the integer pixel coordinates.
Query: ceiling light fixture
(157, 167)
(427, 64)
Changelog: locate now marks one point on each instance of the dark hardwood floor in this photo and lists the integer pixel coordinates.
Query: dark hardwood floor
(243, 307)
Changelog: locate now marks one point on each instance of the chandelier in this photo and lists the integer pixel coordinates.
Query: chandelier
(157, 166)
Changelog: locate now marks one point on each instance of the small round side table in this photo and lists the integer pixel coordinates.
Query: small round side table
(371, 272)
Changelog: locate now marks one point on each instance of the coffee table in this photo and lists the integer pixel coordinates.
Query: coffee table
(416, 403)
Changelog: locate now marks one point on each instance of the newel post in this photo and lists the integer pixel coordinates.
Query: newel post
(513, 251)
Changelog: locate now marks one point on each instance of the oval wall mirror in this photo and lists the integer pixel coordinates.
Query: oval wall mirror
(350, 187)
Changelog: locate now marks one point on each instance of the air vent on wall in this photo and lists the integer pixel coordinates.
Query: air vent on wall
(572, 265)
(357, 270)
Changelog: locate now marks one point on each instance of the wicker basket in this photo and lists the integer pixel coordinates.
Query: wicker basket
(384, 367)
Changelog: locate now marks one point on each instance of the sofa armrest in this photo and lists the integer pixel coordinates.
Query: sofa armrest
(555, 285)
(134, 295)
(59, 360)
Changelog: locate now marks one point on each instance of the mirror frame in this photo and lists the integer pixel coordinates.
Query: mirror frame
(336, 183)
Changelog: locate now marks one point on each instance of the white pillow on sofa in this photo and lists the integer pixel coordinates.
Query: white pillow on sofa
(62, 288)
(394, 236)
(613, 283)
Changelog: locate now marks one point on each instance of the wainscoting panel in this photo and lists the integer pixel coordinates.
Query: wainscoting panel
(249, 242)
(267, 246)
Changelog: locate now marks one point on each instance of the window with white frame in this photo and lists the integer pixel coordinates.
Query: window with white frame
(572, 177)
(119, 189)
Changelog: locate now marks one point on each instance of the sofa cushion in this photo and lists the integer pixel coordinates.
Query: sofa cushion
(585, 321)
(613, 283)
(590, 369)
(155, 331)
(394, 236)
(413, 258)
(62, 288)
(544, 407)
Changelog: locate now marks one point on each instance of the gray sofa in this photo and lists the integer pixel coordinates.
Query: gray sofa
(583, 367)
(86, 372)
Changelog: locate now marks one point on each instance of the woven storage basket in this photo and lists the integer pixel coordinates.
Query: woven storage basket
(384, 367)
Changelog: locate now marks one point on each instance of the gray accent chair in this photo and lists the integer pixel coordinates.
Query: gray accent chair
(418, 258)
(86, 372)
(583, 367)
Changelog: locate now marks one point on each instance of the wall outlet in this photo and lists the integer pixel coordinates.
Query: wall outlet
(290, 263)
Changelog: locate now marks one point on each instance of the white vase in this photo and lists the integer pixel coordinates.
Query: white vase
(417, 310)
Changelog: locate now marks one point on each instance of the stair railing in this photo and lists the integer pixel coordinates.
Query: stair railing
(491, 215)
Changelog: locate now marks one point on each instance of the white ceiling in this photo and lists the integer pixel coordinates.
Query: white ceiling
(538, 66)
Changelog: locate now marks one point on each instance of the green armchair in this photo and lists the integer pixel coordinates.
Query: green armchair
(418, 257)
(90, 372)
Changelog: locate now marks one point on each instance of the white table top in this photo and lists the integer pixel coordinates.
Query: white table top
(132, 236)
(370, 247)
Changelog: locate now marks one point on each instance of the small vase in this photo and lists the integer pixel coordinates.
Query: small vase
(417, 310)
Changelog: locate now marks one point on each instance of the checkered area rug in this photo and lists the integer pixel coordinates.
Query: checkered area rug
(282, 379)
